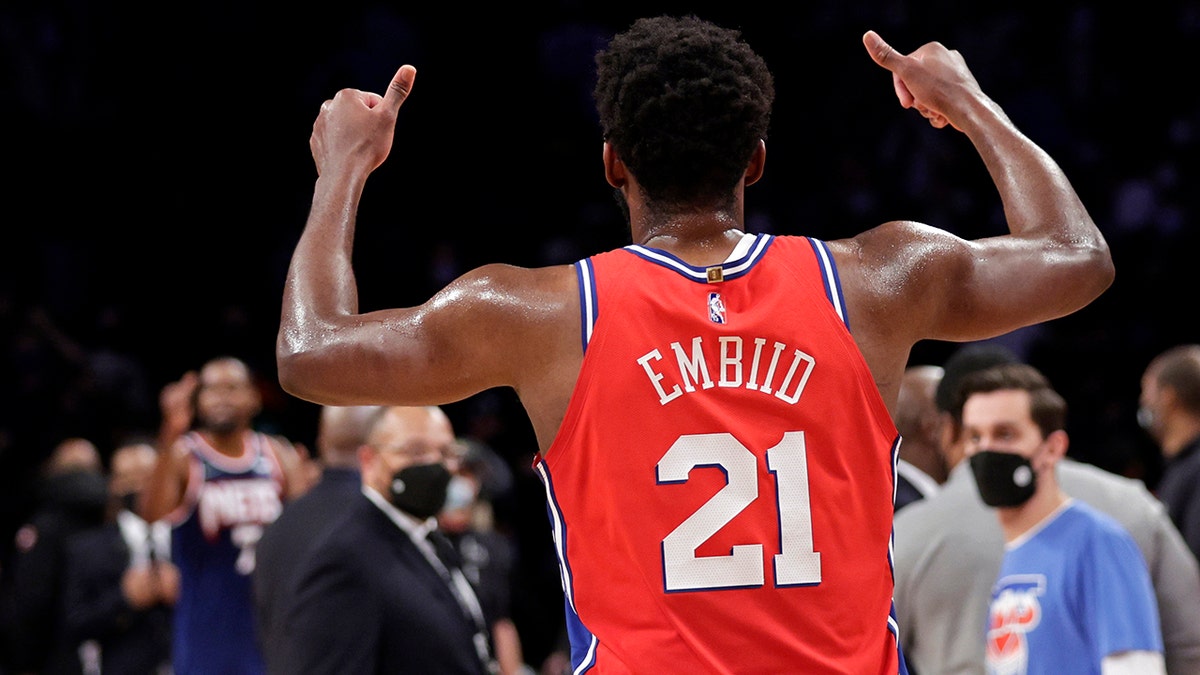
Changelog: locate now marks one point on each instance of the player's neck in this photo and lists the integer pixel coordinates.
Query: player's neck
(229, 443)
(1019, 520)
(699, 239)
(1179, 436)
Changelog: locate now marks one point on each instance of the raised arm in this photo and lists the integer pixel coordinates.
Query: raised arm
(486, 329)
(919, 282)
(165, 488)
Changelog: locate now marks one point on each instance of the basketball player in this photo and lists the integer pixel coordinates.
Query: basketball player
(712, 406)
(219, 484)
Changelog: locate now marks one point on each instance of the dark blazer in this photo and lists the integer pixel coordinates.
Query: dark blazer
(906, 492)
(31, 580)
(367, 600)
(288, 539)
(132, 641)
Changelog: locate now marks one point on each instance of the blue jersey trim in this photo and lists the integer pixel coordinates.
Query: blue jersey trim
(583, 643)
(829, 275)
(587, 299)
(731, 269)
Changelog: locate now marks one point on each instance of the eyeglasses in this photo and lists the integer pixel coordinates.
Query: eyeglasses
(449, 452)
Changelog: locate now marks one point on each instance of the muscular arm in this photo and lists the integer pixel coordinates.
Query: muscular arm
(498, 325)
(907, 282)
(165, 489)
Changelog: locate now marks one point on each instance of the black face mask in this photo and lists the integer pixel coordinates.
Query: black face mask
(420, 490)
(1004, 479)
(84, 493)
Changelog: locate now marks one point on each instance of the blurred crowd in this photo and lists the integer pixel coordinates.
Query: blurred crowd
(161, 175)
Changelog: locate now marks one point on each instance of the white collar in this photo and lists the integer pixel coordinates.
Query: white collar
(138, 535)
(922, 481)
(416, 529)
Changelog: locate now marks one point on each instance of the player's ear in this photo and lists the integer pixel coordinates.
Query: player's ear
(754, 170)
(614, 169)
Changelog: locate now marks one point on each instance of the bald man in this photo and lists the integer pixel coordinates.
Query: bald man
(921, 467)
(374, 596)
(341, 431)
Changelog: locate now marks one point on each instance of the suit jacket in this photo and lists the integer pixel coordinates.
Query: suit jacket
(912, 484)
(132, 641)
(367, 600)
(31, 596)
(1179, 490)
(288, 539)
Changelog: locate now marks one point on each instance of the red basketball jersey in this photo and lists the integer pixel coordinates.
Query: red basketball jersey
(721, 487)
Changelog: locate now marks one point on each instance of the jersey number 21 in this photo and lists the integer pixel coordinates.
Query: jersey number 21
(797, 564)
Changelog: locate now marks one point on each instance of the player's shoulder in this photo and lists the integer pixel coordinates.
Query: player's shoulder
(509, 278)
(894, 239)
(1103, 528)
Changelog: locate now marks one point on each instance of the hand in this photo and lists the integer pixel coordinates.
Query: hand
(167, 575)
(175, 402)
(933, 79)
(355, 128)
(140, 586)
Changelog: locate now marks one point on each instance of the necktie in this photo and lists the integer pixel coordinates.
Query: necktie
(445, 550)
(461, 589)
(151, 546)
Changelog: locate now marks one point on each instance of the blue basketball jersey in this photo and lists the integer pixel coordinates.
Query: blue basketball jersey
(229, 501)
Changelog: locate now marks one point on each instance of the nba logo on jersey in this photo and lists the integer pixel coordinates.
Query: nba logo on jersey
(716, 308)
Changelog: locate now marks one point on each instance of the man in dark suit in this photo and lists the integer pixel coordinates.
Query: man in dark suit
(921, 468)
(341, 431)
(374, 596)
(120, 585)
(72, 498)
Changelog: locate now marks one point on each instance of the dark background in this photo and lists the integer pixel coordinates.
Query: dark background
(157, 176)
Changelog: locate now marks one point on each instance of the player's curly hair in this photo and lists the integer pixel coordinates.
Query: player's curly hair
(684, 103)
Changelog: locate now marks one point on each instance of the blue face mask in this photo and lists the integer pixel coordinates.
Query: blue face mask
(1004, 479)
(460, 493)
(1145, 417)
(420, 490)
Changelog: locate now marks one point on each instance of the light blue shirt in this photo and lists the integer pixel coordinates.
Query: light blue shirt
(1070, 592)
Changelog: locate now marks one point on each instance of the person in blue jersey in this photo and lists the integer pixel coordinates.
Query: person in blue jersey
(219, 482)
(1074, 593)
